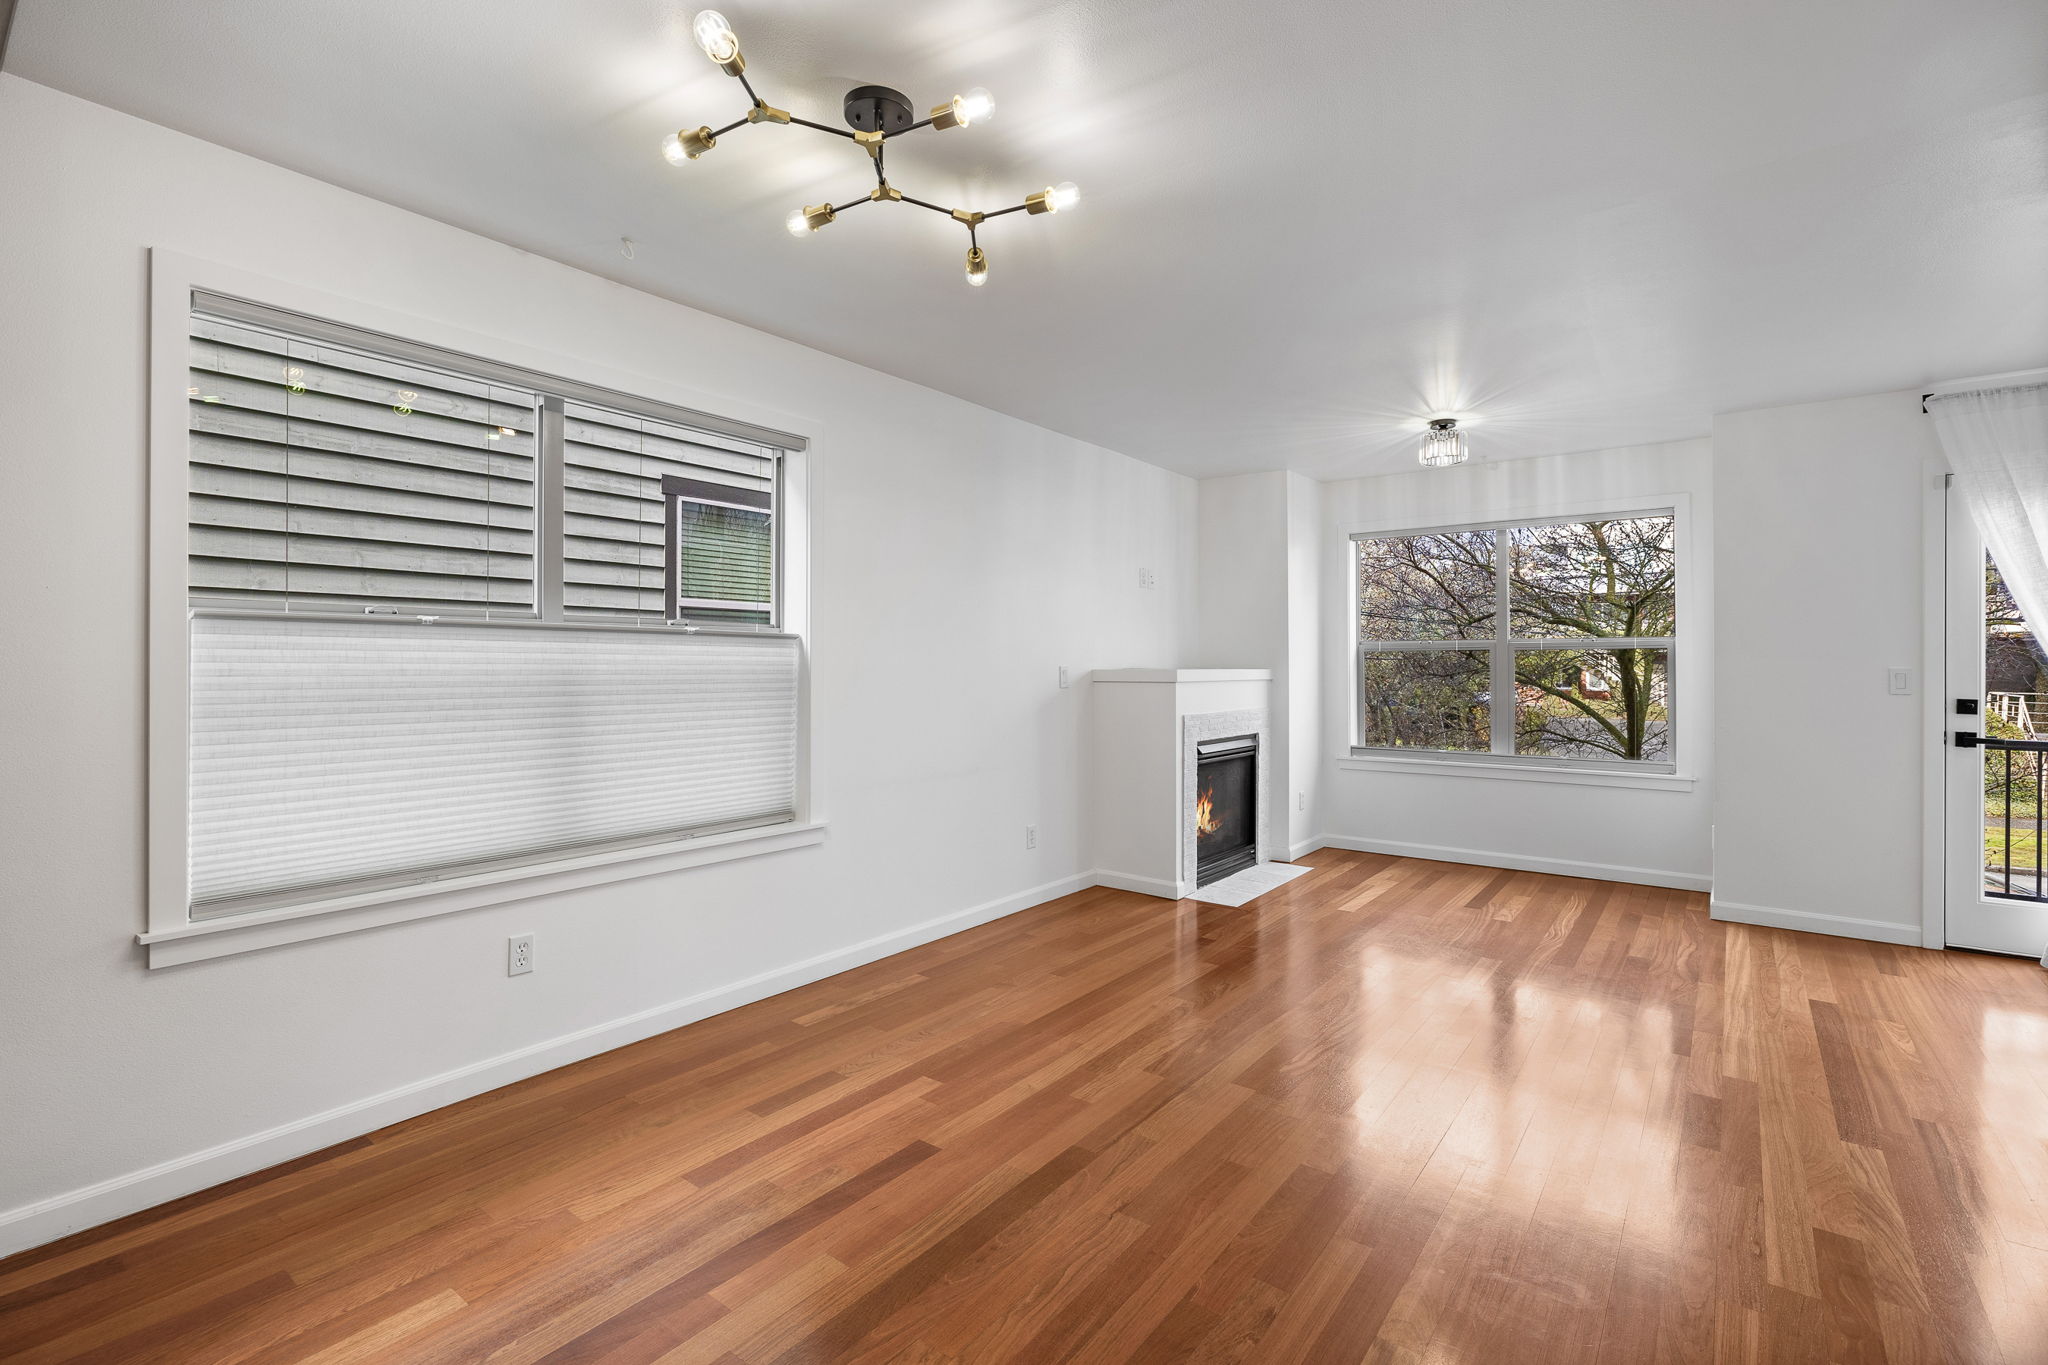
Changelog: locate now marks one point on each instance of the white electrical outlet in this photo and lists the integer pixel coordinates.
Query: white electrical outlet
(1301, 800)
(1146, 580)
(1066, 679)
(519, 955)
(1031, 836)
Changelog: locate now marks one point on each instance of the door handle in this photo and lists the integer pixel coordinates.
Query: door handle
(1967, 739)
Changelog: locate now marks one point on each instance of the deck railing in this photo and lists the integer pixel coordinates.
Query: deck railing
(2014, 770)
(2026, 710)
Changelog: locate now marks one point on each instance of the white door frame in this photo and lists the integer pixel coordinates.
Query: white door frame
(1955, 777)
(1934, 692)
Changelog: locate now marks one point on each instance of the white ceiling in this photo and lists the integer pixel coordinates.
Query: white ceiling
(1587, 223)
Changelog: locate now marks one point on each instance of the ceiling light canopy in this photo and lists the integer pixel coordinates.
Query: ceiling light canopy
(1443, 444)
(876, 113)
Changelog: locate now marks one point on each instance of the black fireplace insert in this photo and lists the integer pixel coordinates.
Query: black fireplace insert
(1226, 806)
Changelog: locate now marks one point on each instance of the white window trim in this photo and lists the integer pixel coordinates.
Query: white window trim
(1518, 772)
(172, 936)
(1686, 679)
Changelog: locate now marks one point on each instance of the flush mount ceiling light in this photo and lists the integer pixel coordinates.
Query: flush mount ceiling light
(1443, 444)
(876, 114)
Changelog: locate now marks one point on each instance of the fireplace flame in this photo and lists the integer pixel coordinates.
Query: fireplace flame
(1205, 813)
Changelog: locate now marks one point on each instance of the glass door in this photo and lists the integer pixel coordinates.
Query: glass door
(1997, 749)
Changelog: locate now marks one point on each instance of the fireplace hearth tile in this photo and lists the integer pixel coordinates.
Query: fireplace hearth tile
(1240, 887)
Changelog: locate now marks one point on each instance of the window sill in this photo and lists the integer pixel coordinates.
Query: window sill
(1519, 772)
(204, 939)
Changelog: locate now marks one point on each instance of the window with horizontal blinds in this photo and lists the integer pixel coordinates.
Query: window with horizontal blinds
(451, 615)
(721, 544)
(323, 475)
(347, 752)
(615, 522)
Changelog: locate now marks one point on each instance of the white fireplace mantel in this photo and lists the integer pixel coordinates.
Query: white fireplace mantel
(1146, 726)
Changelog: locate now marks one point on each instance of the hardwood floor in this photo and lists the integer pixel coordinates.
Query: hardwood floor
(1394, 1111)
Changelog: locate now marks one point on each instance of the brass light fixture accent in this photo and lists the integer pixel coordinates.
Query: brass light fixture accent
(807, 220)
(876, 113)
(687, 145)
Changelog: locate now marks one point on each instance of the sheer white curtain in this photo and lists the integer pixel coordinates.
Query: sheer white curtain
(1996, 439)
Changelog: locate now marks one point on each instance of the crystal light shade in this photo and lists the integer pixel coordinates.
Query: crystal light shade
(1443, 445)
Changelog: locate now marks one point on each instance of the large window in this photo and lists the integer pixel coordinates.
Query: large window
(1544, 642)
(449, 616)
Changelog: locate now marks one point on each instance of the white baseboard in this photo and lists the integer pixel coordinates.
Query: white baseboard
(1519, 862)
(1305, 847)
(1813, 922)
(31, 1225)
(1144, 886)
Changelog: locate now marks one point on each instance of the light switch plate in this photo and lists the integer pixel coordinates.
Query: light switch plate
(1899, 681)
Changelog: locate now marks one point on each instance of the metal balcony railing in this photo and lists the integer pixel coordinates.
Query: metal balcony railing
(2014, 769)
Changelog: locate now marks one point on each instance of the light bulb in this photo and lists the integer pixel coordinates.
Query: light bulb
(974, 106)
(715, 36)
(687, 145)
(977, 266)
(807, 220)
(1064, 195)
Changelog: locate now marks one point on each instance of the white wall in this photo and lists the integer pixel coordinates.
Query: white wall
(1820, 816)
(1242, 618)
(1307, 588)
(1260, 595)
(1659, 836)
(960, 557)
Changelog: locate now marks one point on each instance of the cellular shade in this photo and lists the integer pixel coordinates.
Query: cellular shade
(337, 753)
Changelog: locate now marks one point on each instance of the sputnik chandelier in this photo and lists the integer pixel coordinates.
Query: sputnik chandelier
(876, 113)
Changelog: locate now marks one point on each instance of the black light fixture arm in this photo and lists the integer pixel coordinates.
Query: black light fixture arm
(823, 128)
(876, 114)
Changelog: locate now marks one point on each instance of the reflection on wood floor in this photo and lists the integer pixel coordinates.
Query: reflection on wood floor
(1393, 1111)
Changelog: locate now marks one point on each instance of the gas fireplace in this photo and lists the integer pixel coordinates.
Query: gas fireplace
(1226, 813)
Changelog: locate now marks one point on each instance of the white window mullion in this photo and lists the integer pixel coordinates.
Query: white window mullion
(1501, 713)
(547, 513)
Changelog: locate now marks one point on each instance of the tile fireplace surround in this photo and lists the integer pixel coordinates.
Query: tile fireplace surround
(1147, 724)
